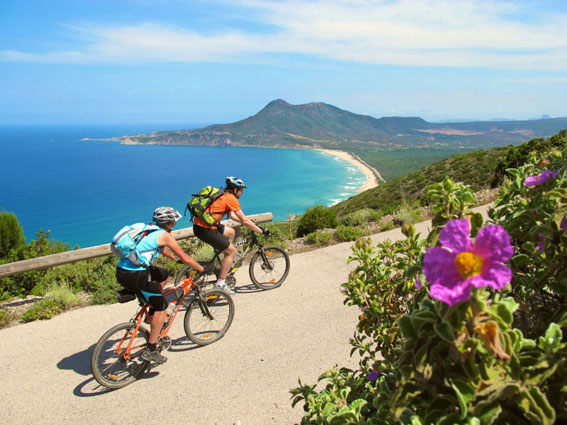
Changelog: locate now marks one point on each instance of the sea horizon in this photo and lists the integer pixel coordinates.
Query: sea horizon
(84, 191)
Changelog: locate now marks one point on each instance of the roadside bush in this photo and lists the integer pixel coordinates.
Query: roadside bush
(319, 238)
(316, 218)
(348, 233)
(360, 217)
(468, 326)
(405, 215)
(106, 295)
(64, 294)
(6, 317)
(43, 310)
(21, 285)
(11, 234)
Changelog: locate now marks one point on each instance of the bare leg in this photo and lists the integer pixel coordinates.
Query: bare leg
(228, 254)
(227, 260)
(158, 320)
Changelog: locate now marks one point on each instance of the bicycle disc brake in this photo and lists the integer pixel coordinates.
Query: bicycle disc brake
(164, 343)
(267, 266)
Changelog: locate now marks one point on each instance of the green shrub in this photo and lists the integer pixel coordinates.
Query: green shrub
(63, 293)
(317, 218)
(43, 310)
(204, 253)
(360, 217)
(21, 285)
(385, 226)
(11, 234)
(106, 295)
(348, 233)
(405, 215)
(495, 353)
(319, 238)
(6, 317)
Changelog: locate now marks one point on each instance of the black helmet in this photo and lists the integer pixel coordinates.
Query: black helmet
(234, 183)
(164, 215)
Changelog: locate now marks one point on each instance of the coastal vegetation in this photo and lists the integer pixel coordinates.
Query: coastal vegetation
(469, 325)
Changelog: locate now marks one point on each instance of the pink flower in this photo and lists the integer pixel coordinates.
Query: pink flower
(563, 224)
(460, 264)
(541, 178)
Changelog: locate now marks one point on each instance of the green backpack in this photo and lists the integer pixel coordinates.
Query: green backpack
(200, 201)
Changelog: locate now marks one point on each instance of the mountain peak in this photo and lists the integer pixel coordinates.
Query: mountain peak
(277, 102)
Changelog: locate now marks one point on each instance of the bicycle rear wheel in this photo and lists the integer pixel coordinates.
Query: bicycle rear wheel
(109, 365)
(269, 271)
(209, 316)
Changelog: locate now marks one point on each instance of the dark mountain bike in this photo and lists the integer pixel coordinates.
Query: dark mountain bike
(269, 265)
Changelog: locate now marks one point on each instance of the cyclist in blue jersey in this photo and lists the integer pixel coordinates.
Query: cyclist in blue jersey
(148, 283)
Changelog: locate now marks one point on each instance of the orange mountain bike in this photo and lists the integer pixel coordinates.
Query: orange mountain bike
(117, 357)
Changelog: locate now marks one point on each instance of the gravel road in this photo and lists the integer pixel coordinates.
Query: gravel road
(296, 331)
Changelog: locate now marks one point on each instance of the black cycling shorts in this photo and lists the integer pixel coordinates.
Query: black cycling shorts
(145, 284)
(213, 237)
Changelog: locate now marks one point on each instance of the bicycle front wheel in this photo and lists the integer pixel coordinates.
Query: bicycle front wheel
(269, 267)
(209, 316)
(111, 365)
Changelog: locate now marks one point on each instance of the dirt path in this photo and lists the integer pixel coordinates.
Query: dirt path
(297, 331)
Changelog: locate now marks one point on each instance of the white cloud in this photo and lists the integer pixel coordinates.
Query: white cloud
(458, 33)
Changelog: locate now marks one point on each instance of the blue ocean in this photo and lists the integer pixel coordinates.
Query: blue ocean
(84, 191)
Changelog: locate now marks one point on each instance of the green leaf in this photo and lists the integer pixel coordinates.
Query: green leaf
(477, 221)
(521, 260)
(425, 316)
(406, 326)
(444, 331)
(552, 338)
(465, 393)
(487, 412)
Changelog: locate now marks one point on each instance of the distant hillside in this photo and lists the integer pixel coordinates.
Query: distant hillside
(318, 124)
(475, 169)
(480, 170)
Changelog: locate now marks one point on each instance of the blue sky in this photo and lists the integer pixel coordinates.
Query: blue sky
(216, 61)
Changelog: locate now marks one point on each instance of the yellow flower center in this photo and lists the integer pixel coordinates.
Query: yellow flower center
(468, 264)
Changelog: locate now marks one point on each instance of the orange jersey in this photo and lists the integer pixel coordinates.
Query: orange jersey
(218, 209)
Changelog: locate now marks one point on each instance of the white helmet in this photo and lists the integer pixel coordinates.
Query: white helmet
(164, 215)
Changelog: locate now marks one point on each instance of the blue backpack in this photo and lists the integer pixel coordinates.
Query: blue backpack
(124, 243)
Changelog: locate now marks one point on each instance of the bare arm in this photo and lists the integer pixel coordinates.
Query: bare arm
(245, 221)
(169, 243)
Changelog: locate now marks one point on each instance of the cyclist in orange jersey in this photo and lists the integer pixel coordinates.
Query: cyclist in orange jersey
(219, 236)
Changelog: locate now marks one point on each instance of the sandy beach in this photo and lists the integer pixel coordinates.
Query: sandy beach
(372, 175)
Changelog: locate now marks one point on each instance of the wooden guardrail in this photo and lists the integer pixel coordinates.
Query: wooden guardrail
(48, 261)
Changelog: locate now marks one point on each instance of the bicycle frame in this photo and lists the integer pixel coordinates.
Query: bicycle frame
(186, 285)
(250, 242)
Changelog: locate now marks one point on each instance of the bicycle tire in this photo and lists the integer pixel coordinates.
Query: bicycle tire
(272, 275)
(109, 367)
(199, 327)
